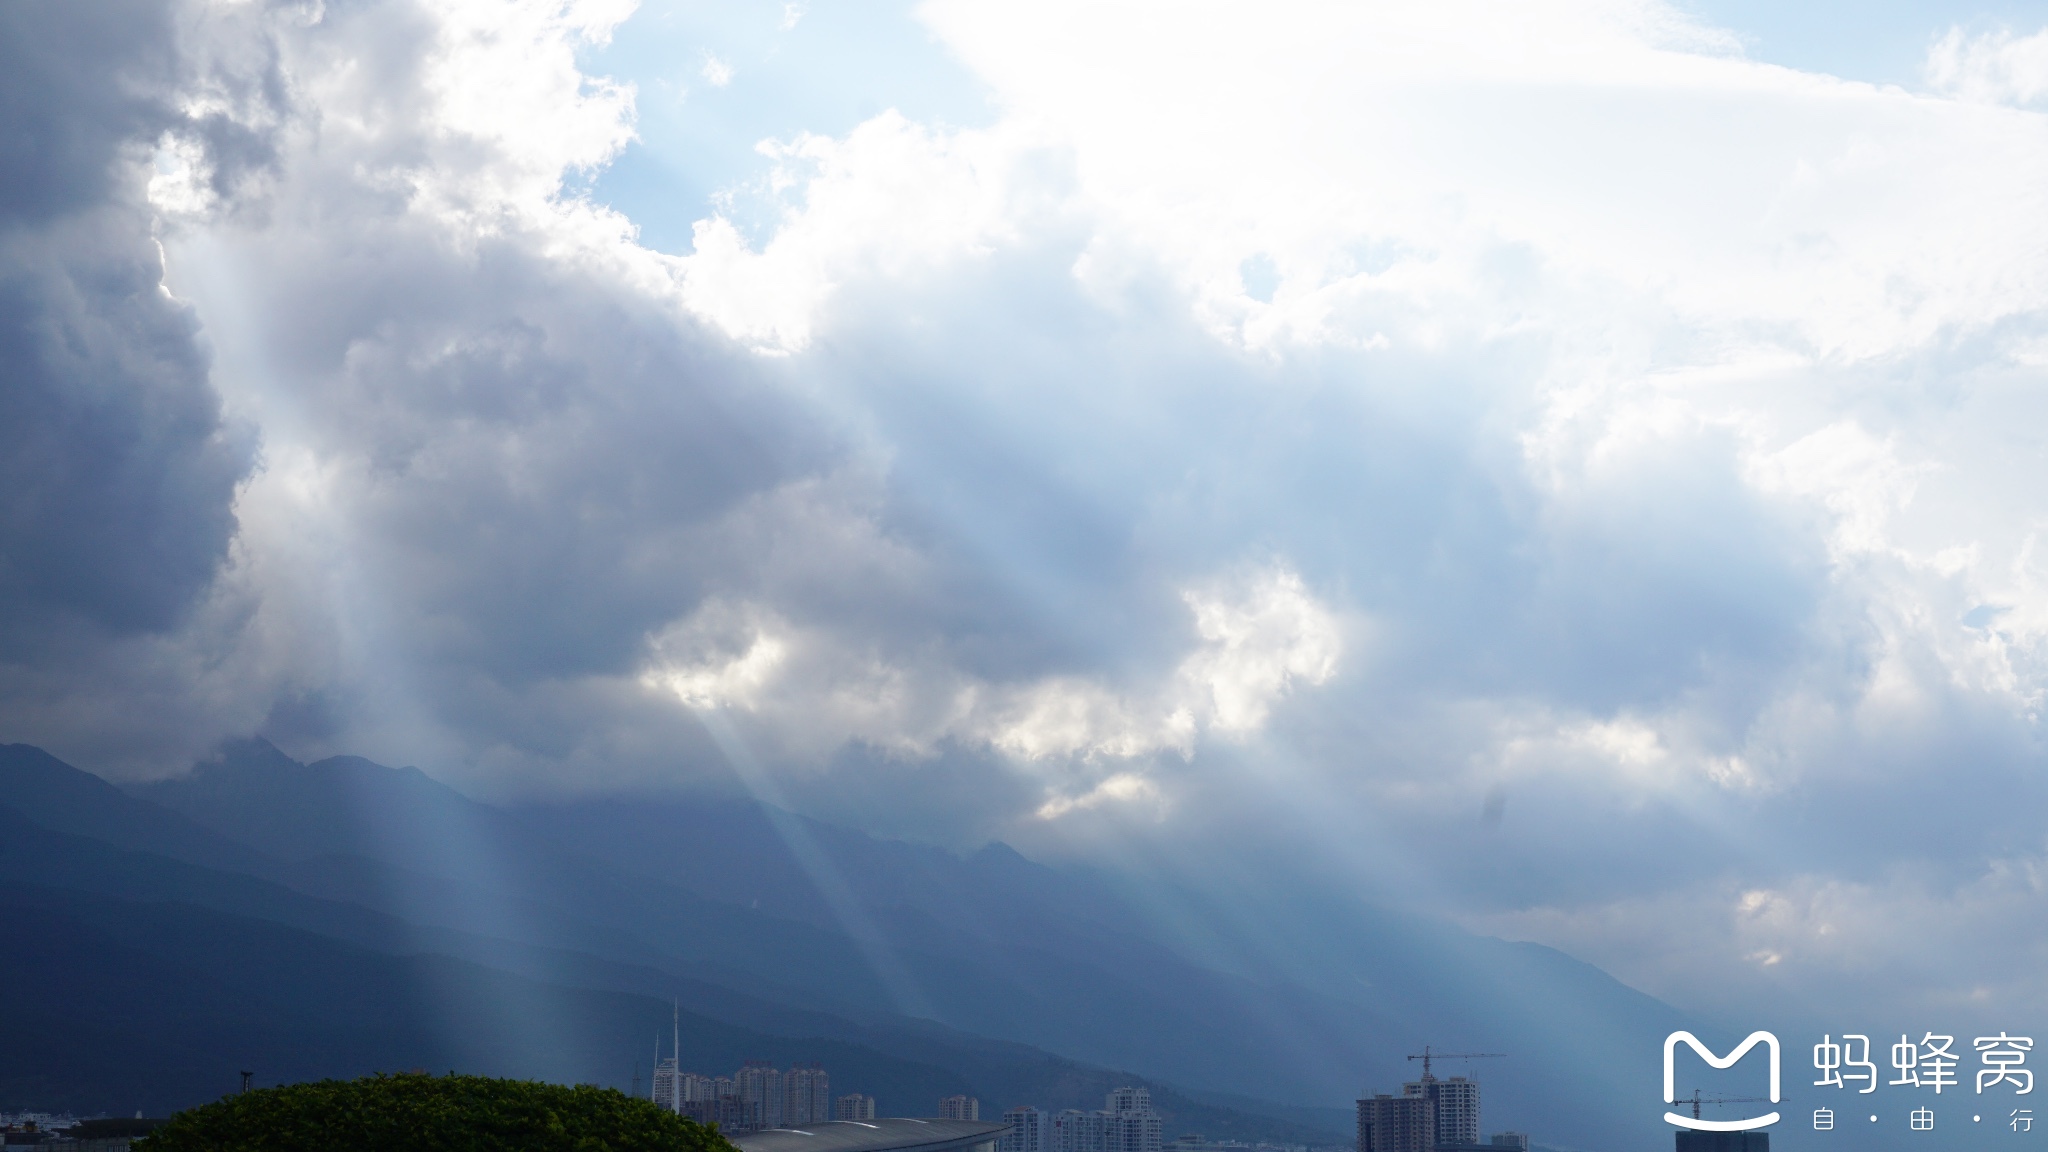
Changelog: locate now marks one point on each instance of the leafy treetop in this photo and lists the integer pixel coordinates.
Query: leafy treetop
(415, 1113)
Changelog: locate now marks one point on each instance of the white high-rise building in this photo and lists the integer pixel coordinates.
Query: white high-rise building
(1128, 1125)
(959, 1108)
(1128, 1100)
(807, 1096)
(1030, 1131)
(854, 1107)
(664, 1091)
(1076, 1131)
(758, 1084)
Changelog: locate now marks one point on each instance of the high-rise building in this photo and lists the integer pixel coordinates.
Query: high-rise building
(759, 1086)
(1457, 1106)
(1130, 1124)
(854, 1107)
(664, 1092)
(807, 1096)
(1127, 1123)
(1076, 1131)
(1514, 1141)
(1397, 1124)
(1030, 1130)
(959, 1108)
(758, 1096)
(724, 1111)
(1128, 1100)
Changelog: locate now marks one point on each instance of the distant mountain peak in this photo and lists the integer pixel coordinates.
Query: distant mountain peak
(60, 797)
(248, 755)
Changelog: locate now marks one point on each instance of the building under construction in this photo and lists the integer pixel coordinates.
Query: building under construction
(1433, 1115)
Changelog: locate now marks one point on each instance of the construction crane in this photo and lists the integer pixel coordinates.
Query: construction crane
(1698, 1100)
(1427, 1056)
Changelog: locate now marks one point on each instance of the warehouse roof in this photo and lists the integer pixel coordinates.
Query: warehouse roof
(895, 1134)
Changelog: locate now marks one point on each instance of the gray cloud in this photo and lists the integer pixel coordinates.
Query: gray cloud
(116, 472)
(1017, 528)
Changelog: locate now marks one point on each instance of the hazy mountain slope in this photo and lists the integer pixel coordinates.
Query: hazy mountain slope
(158, 1005)
(1304, 1002)
(741, 852)
(60, 797)
(35, 855)
(1079, 986)
(1326, 996)
(183, 928)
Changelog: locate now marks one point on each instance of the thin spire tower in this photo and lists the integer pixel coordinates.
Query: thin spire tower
(666, 1090)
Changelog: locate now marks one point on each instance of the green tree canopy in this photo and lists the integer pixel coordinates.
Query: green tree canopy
(414, 1113)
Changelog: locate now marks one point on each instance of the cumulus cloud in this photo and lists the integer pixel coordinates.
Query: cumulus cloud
(1998, 67)
(1354, 426)
(430, 338)
(893, 200)
(811, 689)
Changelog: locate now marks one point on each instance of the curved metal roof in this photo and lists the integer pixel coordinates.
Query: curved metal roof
(895, 1134)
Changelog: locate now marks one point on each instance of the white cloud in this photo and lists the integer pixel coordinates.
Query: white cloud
(1122, 788)
(1996, 67)
(892, 200)
(719, 657)
(1256, 646)
(1309, 135)
(503, 99)
(813, 688)
(1259, 639)
(716, 72)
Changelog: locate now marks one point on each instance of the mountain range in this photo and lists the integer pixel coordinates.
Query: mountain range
(341, 917)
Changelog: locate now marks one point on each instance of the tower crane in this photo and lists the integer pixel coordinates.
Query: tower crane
(1696, 1100)
(1426, 1056)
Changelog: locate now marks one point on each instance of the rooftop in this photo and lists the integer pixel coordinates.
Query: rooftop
(895, 1134)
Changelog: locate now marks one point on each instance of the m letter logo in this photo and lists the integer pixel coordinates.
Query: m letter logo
(1671, 1043)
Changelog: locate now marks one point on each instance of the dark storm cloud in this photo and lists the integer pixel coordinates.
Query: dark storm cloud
(489, 470)
(492, 464)
(79, 84)
(116, 474)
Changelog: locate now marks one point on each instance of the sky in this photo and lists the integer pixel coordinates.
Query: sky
(1573, 466)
